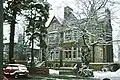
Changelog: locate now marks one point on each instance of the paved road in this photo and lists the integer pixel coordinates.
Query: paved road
(60, 77)
(53, 79)
(67, 77)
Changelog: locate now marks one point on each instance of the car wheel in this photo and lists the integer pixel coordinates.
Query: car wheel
(106, 79)
(26, 75)
(16, 76)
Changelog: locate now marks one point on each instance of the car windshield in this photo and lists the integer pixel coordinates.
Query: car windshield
(11, 67)
(8, 67)
(22, 67)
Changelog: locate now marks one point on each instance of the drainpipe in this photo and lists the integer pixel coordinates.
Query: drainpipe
(93, 53)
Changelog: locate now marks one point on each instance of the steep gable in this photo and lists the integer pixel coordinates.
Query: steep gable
(69, 20)
(54, 25)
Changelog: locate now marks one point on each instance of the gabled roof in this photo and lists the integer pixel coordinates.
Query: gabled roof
(61, 21)
(53, 19)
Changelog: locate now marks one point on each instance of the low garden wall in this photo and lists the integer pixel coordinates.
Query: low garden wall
(39, 71)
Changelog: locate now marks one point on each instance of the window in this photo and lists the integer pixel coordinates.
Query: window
(66, 54)
(74, 54)
(79, 54)
(75, 48)
(53, 38)
(68, 35)
(57, 65)
(52, 54)
(57, 55)
(75, 34)
(69, 54)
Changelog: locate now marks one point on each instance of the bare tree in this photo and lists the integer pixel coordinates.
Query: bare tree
(91, 12)
(94, 24)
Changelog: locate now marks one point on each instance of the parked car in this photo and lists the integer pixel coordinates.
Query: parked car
(16, 70)
(107, 75)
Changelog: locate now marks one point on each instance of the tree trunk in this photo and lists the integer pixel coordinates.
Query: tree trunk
(44, 56)
(61, 50)
(32, 49)
(61, 59)
(93, 53)
(32, 53)
(1, 39)
(12, 32)
(85, 52)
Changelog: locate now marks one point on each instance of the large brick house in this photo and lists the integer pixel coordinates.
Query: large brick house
(64, 40)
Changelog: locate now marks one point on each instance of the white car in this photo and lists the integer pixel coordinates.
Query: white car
(107, 75)
(16, 70)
